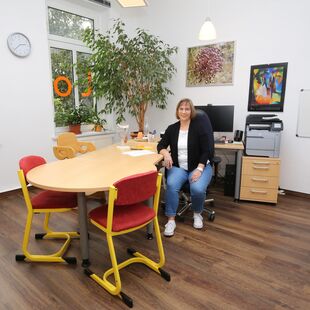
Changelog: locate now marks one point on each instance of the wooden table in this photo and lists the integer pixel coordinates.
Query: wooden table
(92, 172)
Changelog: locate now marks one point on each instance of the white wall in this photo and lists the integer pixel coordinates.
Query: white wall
(26, 121)
(26, 109)
(268, 31)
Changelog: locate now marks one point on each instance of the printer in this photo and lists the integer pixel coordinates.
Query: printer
(263, 135)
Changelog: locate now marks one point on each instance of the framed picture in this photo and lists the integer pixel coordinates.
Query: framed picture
(210, 65)
(267, 87)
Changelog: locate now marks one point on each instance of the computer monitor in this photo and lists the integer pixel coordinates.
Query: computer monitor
(221, 117)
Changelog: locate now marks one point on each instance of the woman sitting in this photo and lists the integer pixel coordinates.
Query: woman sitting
(191, 151)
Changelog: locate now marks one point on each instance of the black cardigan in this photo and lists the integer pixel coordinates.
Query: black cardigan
(200, 142)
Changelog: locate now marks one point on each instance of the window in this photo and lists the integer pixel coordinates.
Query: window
(85, 94)
(67, 50)
(67, 25)
(62, 66)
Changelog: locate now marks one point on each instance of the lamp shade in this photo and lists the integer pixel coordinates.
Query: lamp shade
(132, 3)
(207, 31)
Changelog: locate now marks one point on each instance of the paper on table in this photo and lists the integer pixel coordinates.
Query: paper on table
(139, 153)
(123, 147)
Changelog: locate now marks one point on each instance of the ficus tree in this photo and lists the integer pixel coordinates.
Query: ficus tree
(131, 73)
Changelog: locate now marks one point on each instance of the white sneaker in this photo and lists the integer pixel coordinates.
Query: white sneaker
(198, 224)
(169, 228)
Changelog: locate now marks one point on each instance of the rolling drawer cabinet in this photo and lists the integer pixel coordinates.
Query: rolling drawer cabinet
(260, 179)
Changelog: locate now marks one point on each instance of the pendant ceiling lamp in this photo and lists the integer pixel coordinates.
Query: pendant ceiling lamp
(207, 31)
(132, 3)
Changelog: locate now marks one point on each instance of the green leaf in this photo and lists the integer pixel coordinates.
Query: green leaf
(130, 73)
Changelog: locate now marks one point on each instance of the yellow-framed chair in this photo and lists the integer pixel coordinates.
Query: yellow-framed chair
(126, 212)
(45, 202)
(68, 146)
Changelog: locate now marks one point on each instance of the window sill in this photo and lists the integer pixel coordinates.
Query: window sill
(90, 134)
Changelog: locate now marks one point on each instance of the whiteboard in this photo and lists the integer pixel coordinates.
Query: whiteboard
(303, 121)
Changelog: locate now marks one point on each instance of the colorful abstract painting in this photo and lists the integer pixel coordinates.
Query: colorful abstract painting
(210, 64)
(267, 87)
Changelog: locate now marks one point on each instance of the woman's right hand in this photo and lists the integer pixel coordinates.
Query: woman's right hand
(168, 161)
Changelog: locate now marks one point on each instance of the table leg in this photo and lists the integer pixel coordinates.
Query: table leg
(238, 174)
(82, 209)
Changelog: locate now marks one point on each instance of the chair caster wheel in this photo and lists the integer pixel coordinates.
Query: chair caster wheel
(211, 217)
(180, 218)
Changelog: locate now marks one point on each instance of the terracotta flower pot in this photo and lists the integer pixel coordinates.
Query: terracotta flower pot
(133, 134)
(75, 128)
(97, 128)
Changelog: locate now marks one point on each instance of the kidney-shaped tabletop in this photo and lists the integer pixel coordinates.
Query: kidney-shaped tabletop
(91, 172)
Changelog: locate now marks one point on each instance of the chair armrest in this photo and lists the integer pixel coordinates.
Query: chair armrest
(63, 152)
(86, 147)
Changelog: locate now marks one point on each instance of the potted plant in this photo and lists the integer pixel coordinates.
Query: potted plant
(69, 115)
(130, 73)
(98, 121)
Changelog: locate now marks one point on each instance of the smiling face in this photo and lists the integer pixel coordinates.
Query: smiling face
(184, 112)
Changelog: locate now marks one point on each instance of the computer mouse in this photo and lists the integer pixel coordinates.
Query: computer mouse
(230, 141)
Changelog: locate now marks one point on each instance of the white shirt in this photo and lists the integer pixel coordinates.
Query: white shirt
(182, 149)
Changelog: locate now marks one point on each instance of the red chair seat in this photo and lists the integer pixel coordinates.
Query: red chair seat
(54, 200)
(124, 217)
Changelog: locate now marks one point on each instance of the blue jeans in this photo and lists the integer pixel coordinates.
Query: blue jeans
(176, 177)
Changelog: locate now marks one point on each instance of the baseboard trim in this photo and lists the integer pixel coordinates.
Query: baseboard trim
(9, 193)
(297, 194)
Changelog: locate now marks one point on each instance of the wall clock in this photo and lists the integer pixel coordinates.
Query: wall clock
(19, 44)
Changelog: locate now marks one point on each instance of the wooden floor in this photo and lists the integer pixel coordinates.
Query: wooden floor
(253, 256)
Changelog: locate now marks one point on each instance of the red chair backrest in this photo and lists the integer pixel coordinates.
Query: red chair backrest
(136, 188)
(29, 162)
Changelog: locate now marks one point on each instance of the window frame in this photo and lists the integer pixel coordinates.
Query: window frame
(74, 45)
(75, 49)
(74, 41)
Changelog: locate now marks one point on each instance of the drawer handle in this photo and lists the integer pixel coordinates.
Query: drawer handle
(261, 168)
(259, 180)
(261, 163)
(258, 192)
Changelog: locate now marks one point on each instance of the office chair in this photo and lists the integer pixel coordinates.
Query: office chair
(185, 201)
(68, 146)
(127, 212)
(185, 204)
(45, 202)
(216, 161)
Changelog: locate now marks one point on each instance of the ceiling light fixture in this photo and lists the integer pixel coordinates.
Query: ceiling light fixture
(207, 31)
(132, 3)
